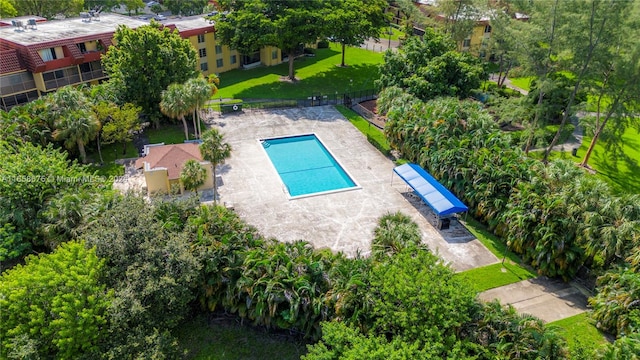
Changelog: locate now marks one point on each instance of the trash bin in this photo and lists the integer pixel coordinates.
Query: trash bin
(444, 224)
(574, 152)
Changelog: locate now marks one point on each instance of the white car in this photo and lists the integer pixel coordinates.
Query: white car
(159, 17)
(151, 3)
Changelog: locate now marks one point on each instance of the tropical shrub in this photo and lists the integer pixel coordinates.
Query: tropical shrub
(616, 306)
(551, 214)
(394, 233)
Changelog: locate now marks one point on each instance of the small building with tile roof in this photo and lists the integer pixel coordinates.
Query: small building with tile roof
(163, 164)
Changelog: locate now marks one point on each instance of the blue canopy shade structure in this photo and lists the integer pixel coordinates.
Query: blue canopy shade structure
(441, 200)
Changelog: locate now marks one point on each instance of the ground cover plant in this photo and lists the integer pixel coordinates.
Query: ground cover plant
(219, 336)
(581, 334)
(317, 75)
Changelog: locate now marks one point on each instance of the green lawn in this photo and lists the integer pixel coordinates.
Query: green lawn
(492, 276)
(216, 338)
(580, 331)
(496, 275)
(522, 82)
(168, 134)
(396, 34)
(318, 75)
(621, 171)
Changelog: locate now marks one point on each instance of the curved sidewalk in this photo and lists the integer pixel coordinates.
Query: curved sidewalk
(547, 299)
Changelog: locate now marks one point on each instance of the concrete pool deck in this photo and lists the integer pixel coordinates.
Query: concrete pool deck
(342, 221)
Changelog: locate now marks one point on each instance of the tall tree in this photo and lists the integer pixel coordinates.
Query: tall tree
(460, 16)
(618, 93)
(102, 5)
(214, 150)
(176, 105)
(351, 22)
(7, 9)
(286, 24)
(430, 67)
(121, 124)
(200, 90)
(133, 5)
(54, 305)
(193, 175)
(588, 28)
(48, 9)
(75, 124)
(539, 54)
(77, 129)
(145, 61)
(185, 7)
(32, 176)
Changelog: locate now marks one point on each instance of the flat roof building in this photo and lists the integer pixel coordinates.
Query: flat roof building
(39, 56)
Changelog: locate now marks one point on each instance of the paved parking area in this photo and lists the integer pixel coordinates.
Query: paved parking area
(342, 221)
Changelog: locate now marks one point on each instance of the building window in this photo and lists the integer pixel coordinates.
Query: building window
(58, 78)
(466, 43)
(82, 47)
(487, 29)
(274, 54)
(14, 83)
(218, 49)
(233, 59)
(48, 54)
(219, 63)
(202, 52)
(200, 38)
(204, 66)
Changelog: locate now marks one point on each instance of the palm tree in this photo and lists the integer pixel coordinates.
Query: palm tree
(175, 104)
(214, 150)
(394, 233)
(192, 175)
(74, 123)
(200, 90)
(76, 129)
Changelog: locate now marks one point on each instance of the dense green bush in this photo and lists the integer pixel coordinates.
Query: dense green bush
(547, 213)
(54, 306)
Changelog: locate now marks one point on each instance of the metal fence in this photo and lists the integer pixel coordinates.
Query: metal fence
(347, 99)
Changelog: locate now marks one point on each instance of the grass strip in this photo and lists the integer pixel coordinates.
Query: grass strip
(374, 135)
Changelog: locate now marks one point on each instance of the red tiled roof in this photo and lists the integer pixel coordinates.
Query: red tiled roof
(10, 61)
(171, 157)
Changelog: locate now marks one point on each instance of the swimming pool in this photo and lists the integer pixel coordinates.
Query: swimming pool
(305, 165)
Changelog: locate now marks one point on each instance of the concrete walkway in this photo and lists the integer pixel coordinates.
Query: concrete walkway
(342, 221)
(547, 299)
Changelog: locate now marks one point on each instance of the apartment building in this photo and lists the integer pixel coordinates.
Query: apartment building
(39, 56)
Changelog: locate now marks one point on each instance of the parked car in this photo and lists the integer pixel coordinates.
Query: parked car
(159, 17)
(151, 3)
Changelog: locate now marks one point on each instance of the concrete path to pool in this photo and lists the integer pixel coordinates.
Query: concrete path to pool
(547, 299)
(342, 221)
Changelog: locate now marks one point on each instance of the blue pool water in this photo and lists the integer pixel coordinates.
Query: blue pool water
(305, 165)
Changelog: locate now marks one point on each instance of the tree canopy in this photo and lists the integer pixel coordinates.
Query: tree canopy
(287, 25)
(351, 22)
(430, 68)
(145, 61)
(54, 305)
